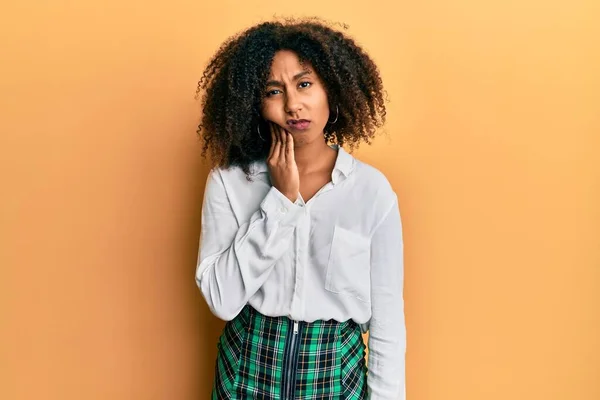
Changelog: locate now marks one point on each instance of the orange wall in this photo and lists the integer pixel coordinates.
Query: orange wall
(493, 142)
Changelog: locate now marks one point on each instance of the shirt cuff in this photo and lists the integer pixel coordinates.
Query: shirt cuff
(278, 207)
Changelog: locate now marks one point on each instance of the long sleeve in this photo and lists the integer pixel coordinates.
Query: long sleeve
(387, 331)
(235, 259)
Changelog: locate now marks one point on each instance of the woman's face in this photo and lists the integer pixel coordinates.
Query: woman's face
(295, 98)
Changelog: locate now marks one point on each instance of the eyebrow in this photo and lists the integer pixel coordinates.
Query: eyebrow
(296, 77)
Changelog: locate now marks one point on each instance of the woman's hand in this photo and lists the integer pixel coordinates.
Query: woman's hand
(281, 163)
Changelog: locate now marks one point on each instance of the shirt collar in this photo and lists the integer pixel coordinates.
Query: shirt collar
(344, 164)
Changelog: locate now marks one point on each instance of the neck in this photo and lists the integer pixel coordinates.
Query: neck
(312, 156)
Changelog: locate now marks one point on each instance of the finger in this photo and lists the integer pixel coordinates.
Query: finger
(277, 146)
(289, 149)
(283, 137)
(273, 140)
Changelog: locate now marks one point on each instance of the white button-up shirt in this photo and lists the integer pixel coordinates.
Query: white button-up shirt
(337, 256)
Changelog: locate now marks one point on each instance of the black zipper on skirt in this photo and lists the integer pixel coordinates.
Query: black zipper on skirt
(290, 361)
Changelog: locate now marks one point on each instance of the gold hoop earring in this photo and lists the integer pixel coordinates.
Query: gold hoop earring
(337, 114)
(259, 135)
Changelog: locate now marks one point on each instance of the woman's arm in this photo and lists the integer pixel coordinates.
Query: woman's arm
(234, 261)
(387, 331)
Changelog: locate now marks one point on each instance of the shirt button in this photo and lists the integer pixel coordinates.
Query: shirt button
(283, 210)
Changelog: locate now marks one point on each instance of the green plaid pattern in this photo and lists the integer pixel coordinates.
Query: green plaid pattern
(330, 360)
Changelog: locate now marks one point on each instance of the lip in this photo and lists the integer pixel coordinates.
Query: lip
(298, 124)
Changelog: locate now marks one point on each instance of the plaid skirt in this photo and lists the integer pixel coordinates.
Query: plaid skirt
(274, 358)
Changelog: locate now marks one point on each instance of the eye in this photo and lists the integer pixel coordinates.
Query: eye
(273, 92)
(305, 84)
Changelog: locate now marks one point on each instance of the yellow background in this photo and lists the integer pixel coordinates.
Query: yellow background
(492, 143)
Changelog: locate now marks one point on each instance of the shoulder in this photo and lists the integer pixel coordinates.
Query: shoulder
(371, 192)
(233, 181)
(372, 181)
(369, 196)
(236, 173)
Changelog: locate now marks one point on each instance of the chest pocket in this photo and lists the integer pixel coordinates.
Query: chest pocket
(348, 267)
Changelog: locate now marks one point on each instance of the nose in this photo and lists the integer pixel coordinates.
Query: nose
(292, 103)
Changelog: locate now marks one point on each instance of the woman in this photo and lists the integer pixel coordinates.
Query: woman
(301, 243)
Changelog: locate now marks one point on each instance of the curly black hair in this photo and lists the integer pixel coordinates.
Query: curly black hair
(234, 83)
